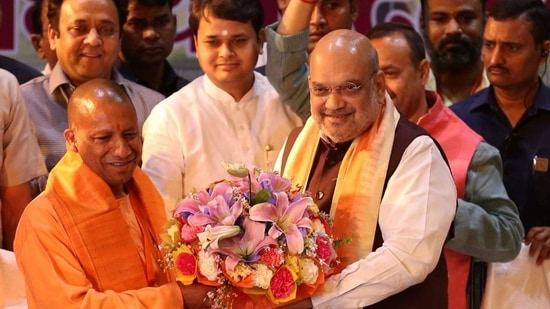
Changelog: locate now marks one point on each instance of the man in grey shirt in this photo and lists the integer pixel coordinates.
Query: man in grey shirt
(86, 38)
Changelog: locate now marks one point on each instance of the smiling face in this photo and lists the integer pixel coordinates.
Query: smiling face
(227, 51)
(405, 81)
(104, 131)
(453, 33)
(88, 41)
(344, 115)
(149, 34)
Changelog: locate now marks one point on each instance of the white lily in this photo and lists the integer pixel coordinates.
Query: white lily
(212, 235)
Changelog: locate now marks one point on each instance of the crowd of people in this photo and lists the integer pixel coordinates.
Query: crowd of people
(426, 147)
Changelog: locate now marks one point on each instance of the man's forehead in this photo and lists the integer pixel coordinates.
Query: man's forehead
(88, 9)
(217, 27)
(510, 30)
(135, 8)
(453, 7)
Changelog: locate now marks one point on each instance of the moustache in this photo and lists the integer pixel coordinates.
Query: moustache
(462, 40)
(336, 113)
(497, 67)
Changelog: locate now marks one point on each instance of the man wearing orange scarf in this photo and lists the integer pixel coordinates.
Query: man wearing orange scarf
(383, 181)
(90, 239)
(487, 224)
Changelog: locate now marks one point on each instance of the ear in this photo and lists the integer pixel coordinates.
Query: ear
(195, 42)
(261, 40)
(35, 40)
(52, 35)
(380, 86)
(424, 69)
(70, 139)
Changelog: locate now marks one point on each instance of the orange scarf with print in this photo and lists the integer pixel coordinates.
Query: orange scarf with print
(360, 183)
(99, 234)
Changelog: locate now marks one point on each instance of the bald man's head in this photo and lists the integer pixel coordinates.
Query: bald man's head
(348, 44)
(347, 87)
(103, 130)
(94, 93)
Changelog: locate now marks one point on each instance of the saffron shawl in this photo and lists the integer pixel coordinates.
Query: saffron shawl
(96, 227)
(360, 183)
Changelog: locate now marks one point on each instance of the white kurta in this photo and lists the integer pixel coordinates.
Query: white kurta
(189, 135)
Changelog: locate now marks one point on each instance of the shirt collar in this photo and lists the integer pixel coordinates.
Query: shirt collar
(487, 99)
(221, 95)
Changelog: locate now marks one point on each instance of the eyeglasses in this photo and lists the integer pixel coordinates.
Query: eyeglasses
(346, 89)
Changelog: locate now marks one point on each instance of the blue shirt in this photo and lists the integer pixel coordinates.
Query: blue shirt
(525, 149)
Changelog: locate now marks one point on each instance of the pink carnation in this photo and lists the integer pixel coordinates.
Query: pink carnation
(189, 233)
(186, 263)
(323, 251)
(272, 256)
(282, 283)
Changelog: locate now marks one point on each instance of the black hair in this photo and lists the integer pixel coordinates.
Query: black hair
(245, 11)
(533, 11)
(54, 10)
(36, 17)
(154, 3)
(413, 38)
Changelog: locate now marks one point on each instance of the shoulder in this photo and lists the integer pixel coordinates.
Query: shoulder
(263, 86)
(406, 131)
(39, 212)
(23, 72)
(485, 153)
(468, 104)
(184, 98)
(36, 91)
(35, 83)
(174, 109)
(139, 91)
(9, 86)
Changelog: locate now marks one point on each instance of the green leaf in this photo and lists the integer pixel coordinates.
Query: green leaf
(261, 197)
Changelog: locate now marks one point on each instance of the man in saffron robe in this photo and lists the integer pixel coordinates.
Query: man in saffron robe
(90, 239)
(487, 224)
(381, 178)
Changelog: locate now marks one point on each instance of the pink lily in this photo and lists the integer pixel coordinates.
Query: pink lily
(247, 247)
(190, 205)
(274, 181)
(215, 208)
(216, 212)
(287, 219)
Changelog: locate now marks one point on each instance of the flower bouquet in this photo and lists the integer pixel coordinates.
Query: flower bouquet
(250, 231)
